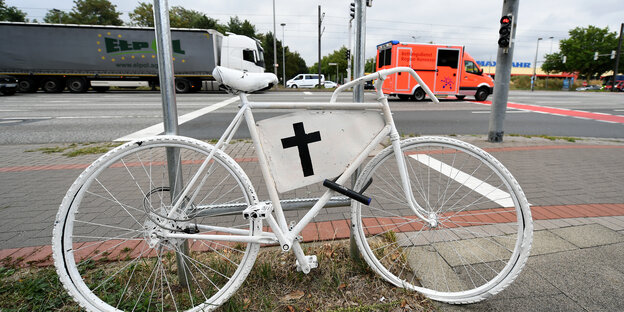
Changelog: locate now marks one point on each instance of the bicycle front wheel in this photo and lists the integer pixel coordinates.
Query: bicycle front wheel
(480, 229)
(110, 246)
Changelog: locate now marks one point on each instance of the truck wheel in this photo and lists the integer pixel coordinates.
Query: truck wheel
(27, 85)
(419, 94)
(482, 94)
(404, 97)
(77, 84)
(460, 97)
(52, 85)
(182, 85)
(101, 89)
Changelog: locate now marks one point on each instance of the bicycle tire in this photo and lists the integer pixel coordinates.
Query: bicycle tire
(484, 228)
(106, 245)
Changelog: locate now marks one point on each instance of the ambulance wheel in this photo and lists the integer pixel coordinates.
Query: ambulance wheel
(404, 97)
(482, 94)
(419, 94)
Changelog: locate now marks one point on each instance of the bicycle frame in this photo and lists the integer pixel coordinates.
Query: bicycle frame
(281, 233)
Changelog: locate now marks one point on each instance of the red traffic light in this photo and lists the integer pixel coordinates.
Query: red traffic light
(505, 20)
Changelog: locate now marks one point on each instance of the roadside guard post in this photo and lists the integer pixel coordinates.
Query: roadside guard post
(164, 51)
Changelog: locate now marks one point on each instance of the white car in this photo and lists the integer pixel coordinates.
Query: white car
(305, 81)
(330, 84)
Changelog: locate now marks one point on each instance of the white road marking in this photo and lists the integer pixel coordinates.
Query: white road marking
(307, 93)
(159, 128)
(494, 194)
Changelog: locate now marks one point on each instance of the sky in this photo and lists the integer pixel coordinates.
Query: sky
(471, 23)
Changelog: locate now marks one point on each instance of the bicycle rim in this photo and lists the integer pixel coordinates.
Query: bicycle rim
(482, 233)
(108, 245)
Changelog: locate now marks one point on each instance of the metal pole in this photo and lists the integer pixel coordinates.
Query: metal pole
(503, 74)
(350, 50)
(548, 73)
(319, 46)
(274, 43)
(617, 58)
(170, 115)
(534, 78)
(283, 57)
(360, 44)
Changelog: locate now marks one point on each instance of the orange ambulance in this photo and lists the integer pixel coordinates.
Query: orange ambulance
(446, 69)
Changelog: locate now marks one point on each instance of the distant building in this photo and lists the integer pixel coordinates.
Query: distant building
(522, 69)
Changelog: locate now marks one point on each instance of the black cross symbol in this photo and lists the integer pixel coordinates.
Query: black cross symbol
(301, 141)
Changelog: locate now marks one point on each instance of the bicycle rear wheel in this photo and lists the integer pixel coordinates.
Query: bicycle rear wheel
(109, 246)
(483, 230)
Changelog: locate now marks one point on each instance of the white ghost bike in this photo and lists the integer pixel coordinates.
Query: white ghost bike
(430, 214)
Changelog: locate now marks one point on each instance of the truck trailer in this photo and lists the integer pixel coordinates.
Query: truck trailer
(446, 69)
(58, 56)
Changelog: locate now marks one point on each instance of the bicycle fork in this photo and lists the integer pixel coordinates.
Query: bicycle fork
(429, 217)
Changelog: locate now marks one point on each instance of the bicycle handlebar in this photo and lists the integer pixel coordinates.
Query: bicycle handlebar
(382, 74)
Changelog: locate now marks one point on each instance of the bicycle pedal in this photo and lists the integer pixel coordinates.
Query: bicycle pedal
(347, 192)
(259, 211)
(312, 262)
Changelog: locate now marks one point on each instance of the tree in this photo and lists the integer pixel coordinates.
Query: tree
(88, 12)
(338, 57)
(179, 17)
(11, 14)
(295, 64)
(57, 16)
(579, 50)
(244, 28)
(371, 65)
(142, 15)
(95, 12)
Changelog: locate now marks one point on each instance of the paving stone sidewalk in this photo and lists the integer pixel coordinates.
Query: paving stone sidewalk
(575, 189)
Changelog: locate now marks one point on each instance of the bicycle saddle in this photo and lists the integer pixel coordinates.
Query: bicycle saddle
(236, 81)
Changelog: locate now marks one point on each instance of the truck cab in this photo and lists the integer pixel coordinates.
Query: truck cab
(446, 69)
(242, 53)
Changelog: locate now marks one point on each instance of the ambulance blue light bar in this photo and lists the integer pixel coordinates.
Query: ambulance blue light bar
(387, 44)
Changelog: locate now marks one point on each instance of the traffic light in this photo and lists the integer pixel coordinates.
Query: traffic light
(596, 56)
(505, 31)
(348, 54)
(352, 8)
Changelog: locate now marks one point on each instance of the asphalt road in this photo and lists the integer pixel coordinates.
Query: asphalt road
(89, 117)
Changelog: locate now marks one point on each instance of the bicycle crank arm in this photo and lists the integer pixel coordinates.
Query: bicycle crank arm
(347, 192)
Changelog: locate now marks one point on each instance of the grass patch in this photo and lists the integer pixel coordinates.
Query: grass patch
(339, 284)
(74, 149)
(33, 290)
(53, 150)
(548, 137)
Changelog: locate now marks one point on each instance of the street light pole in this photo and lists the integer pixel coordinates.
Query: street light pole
(535, 65)
(548, 73)
(274, 42)
(617, 58)
(283, 57)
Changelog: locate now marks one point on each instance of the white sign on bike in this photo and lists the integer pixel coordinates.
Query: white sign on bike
(310, 146)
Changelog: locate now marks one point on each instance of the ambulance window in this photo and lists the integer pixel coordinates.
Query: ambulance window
(448, 58)
(385, 57)
(388, 57)
(471, 67)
